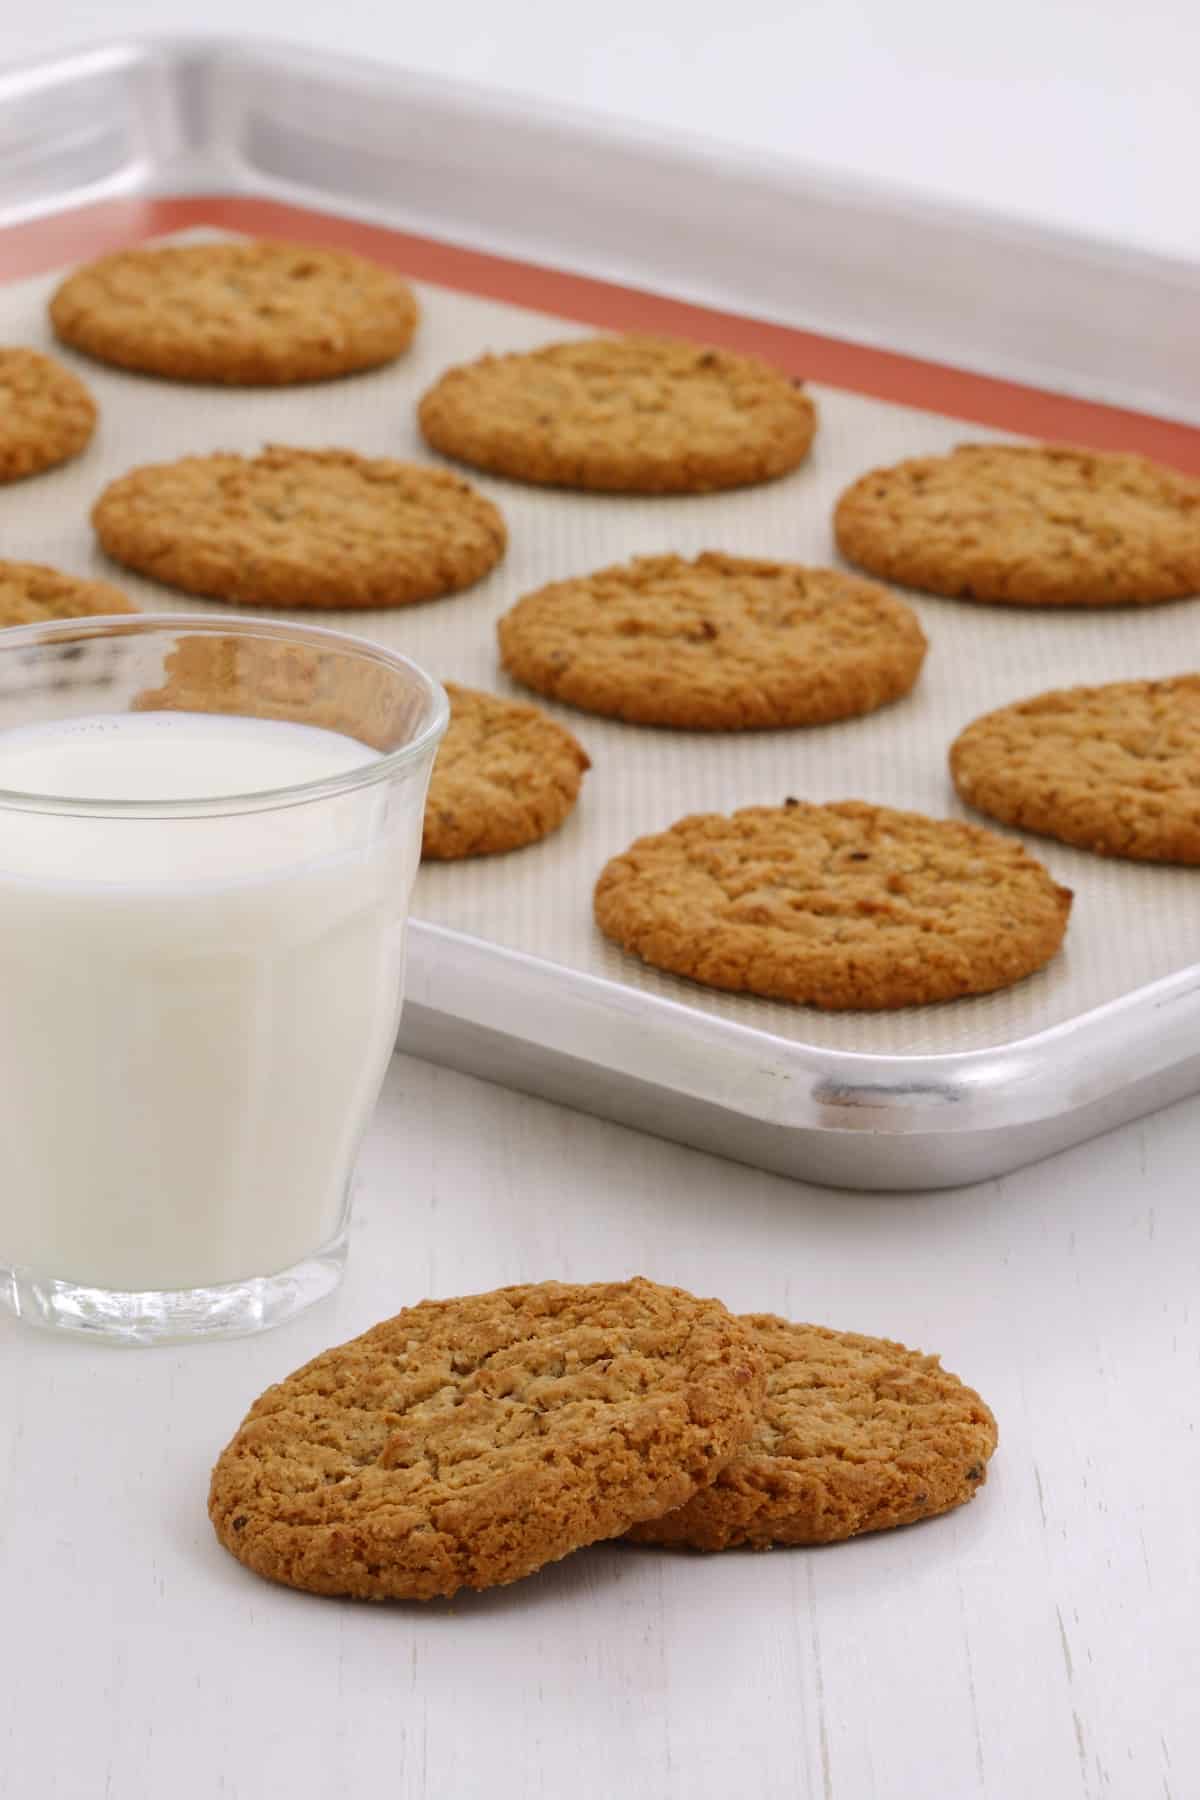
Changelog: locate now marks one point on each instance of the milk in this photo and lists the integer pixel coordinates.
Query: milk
(195, 1013)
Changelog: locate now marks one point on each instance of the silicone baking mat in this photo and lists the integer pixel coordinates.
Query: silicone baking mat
(1130, 925)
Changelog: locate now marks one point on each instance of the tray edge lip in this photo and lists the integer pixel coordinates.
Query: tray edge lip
(136, 48)
(857, 1082)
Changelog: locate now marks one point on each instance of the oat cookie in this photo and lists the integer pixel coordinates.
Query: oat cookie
(31, 593)
(721, 643)
(637, 415)
(247, 314)
(856, 1434)
(47, 415)
(506, 775)
(467, 1442)
(1114, 769)
(845, 907)
(1027, 524)
(271, 679)
(301, 528)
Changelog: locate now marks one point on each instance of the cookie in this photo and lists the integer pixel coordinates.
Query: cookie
(1114, 769)
(1027, 524)
(845, 907)
(246, 314)
(47, 415)
(506, 775)
(467, 1442)
(30, 593)
(301, 528)
(856, 1434)
(722, 643)
(634, 415)
(270, 679)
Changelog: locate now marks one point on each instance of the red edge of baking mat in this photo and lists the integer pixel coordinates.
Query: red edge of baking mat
(89, 231)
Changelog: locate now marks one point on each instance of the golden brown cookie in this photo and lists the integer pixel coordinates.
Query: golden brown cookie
(301, 528)
(47, 415)
(467, 1442)
(506, 775)
(635, 415)
(1114, 769)
(265, 678)
(247, 314)
(1028, 524)
(856, 1434)
(721, 643)
(31, 593)
(846, 906)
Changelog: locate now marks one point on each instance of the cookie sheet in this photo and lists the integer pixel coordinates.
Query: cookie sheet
(1131, 925)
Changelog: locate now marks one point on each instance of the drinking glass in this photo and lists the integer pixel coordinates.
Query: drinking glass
(204, 888)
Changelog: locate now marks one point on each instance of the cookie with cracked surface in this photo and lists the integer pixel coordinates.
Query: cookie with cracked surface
(47, 415)
(1028, 525)
(31, 593)
(856, 1434)
(256, 314)
(465, 1443)
(505, 776)
(846, 907)
(719, 643)
(301, 528)
(634, 415)
(1113, 769)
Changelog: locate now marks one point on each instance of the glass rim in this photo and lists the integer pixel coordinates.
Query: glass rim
(112, 625)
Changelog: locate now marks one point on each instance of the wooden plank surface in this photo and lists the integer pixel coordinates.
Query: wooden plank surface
(1043, 1641)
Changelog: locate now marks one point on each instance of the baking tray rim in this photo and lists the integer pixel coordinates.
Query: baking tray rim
(1021, 1082)
(135, 49)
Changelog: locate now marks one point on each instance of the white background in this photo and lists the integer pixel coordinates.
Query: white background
(1082, 113)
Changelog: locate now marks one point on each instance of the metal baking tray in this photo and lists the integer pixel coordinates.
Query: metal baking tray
(929, 306)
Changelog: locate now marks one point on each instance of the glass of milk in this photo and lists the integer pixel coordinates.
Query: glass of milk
(209, 829)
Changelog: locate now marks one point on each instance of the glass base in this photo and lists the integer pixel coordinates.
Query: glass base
(175, 1315)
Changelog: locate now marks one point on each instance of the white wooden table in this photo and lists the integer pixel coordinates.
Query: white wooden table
(1044, 1641)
